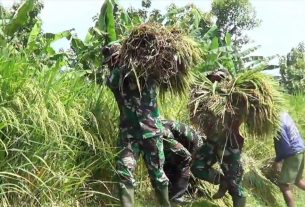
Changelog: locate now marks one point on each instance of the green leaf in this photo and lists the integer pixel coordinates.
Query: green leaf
(125, 18)
(20, 18)
(271, 67)
(210, 33)
(106, 22)
(101, 22)
(54, 37)
(197, 17)
(2, 38)
(214, 44)
(228, 39)
(77, 45)
(110, 23)
(36, 30)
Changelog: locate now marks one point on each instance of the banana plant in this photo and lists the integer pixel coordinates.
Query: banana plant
(21, 30)
(219, 54)
(39, 46)
(106, 22)
(20, 18)
(292, 70)
(87, 53)
(17, 23)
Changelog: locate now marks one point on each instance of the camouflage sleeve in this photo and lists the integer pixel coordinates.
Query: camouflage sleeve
(184, 133)
(114, 78)
(173, 148)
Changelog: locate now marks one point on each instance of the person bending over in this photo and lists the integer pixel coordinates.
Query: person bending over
(289, 160)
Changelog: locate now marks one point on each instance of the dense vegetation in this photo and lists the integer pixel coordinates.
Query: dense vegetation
(58, 122)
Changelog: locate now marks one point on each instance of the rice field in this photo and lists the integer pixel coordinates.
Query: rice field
(58, 128)
(58, 138)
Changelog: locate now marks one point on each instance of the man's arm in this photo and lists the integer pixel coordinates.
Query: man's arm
(277, 166)
(185, 133)
(277, 146)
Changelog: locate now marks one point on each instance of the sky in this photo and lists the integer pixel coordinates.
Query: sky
(282, 27)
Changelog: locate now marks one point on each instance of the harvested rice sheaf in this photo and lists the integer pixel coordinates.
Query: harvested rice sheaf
(251, 97)
(154, 52)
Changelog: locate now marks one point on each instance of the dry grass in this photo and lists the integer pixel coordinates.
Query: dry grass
(251, 97)
(154, 52)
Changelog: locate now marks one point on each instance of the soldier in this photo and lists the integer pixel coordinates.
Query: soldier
(141, 131)
(223, 145)
(180, 143)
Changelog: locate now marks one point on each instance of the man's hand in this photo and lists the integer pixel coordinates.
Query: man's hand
(277, 166)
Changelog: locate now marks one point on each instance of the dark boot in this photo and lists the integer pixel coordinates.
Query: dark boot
(179, 187)
(126, 196)
(239, 201)
(223, 188)
(162, 195)
(182, 200)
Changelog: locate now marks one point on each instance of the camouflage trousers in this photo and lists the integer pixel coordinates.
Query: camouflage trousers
(131, 147)
(229, 160)
(176, 167)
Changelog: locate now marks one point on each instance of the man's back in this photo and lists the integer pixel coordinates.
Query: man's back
(289, 140)
(138, 109)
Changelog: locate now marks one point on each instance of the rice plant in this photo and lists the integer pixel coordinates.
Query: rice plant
(57, 135)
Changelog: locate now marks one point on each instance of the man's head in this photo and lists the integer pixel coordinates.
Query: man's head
(110, 53)
(218, 75)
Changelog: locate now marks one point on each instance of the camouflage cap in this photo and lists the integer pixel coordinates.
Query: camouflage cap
(218, 75)
(110, 50)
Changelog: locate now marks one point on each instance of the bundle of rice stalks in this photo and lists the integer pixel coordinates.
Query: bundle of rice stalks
(258, 185)
(251, 98)
(154, 52)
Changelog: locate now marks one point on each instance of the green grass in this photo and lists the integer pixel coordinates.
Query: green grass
(58, 135)
(52, 148)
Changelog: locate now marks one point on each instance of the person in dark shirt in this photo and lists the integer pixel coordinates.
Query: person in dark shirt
(289, 160)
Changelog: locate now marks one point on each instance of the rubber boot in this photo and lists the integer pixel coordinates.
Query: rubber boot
(223, 188)
(182, 200)
(239, 201)
(126, 196)
(179, 187)
(162, 195)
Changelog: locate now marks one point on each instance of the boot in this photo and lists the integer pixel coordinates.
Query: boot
(179, 187)
(239, 201)
(182, 200)
(162, 195)
(223, 188)
(126, 196)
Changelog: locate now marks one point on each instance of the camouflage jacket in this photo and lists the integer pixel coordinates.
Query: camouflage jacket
(139, 112)
(183, 134)
(227, 136)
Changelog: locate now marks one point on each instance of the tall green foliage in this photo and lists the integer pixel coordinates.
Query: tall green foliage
(235, 17)
(292, 69)
(51, 143)
(58, 130)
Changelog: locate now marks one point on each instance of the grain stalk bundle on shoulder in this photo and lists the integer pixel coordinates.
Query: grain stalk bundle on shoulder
(153, 52)
(251, 97)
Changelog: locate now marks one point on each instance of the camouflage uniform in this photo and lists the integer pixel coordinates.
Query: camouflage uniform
(226, 150)
(224, 145)
(180, 143)
(140, 132)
